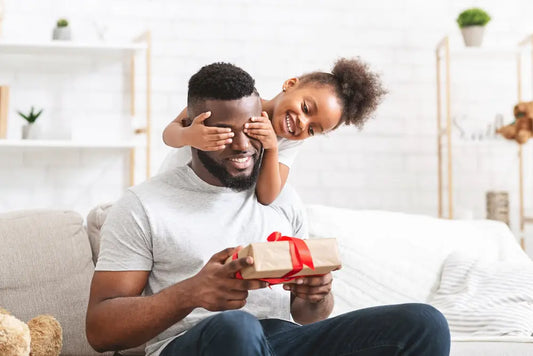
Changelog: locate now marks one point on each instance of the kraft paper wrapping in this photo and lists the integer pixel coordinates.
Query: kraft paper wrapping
(273, 259)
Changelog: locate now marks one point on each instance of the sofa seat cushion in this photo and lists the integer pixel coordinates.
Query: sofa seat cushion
(46, 268)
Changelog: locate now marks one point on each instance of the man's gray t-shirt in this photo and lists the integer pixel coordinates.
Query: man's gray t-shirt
(172, 224)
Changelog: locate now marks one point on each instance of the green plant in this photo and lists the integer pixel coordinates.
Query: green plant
(62, 23)
(32, 116)
(473, 17)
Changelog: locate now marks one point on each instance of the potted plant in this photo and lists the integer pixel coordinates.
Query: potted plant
(472, 24)
(29, 130)
(62, 30)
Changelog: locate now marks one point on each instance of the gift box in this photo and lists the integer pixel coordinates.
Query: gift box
(286, 258)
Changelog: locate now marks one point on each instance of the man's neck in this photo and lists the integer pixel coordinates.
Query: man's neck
(202, 173)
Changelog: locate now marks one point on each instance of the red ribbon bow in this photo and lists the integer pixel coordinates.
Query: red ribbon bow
(300, 256)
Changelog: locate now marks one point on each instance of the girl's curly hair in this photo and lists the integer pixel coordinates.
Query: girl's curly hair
(358, 89)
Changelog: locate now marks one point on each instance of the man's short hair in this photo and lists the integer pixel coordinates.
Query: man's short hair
(219, 81)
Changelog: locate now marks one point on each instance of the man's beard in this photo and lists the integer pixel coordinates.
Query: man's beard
(238, 184)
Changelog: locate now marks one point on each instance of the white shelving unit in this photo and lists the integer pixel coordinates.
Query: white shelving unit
(447, 144)
(16, 144)
(125, 52)
(67, 47)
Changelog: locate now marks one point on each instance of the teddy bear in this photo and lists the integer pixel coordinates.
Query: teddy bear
(42, 336)
(521, 129)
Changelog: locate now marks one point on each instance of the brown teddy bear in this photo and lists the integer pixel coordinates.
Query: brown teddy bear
(521, 129)
(42, 336)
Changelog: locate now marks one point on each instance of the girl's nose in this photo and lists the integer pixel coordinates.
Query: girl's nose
(302, 122)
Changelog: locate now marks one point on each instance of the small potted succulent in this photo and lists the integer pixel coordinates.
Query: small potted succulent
(472, 24)
(30, 130)
(62, 30)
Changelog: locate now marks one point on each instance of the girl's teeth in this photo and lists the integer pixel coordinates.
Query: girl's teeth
(287, 119)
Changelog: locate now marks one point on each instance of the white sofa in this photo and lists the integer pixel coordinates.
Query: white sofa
(391, 258)
(46, 266)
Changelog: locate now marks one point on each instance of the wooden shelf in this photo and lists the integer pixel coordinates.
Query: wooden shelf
(43, 144)
(485, 52)
(71, 48)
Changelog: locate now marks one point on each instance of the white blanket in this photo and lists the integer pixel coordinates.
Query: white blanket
(482, 298)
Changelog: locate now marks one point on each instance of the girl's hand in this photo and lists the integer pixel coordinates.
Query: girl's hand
(261, 129)
(207, 138)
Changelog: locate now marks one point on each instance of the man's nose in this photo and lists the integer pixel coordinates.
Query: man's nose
(240, 142)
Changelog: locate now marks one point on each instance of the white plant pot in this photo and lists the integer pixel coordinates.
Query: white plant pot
(31, 132)
(61, 33)
(473, 35)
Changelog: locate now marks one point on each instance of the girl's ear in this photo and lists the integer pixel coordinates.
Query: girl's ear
(289, 83)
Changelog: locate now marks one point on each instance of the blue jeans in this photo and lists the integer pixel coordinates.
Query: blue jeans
(405, 329)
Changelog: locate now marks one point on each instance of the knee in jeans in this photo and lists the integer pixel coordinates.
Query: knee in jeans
(237, 324)
(427, 319)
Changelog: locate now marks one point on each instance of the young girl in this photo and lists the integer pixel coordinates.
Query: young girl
(314, 103)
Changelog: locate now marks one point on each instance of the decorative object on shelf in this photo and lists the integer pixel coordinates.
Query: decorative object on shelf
(4, 103)
(521, 129)
(472, 24)
(62, 31)
(498, 206)
(30, 130)
(469, 128)
(100, 28)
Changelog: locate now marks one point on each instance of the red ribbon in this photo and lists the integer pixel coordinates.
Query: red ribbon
(300, 256)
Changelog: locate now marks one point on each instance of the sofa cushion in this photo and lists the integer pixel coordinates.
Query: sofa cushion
(46, 268)
(95, 220)
(391, 258)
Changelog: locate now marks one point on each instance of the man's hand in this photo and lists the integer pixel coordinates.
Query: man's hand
(206, 138)
(311, 299)
(261, 129)
(311, 289)
(216, 287)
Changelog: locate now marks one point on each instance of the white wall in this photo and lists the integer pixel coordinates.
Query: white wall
(390, 165)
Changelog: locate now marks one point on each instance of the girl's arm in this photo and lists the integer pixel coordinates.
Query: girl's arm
(273, 175)
(181, 132)
(173, 135)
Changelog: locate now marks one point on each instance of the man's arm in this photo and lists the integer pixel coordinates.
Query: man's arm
(118, 317)
(311, 298)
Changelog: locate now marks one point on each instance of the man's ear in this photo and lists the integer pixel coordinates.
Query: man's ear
(186, 122)
(289, 83)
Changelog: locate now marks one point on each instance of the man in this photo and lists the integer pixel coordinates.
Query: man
(158, 281)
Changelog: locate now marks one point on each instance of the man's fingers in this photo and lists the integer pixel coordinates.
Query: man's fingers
(317, 280)
(238, 264)
(235, 304)
(201, 118)
(223, 255)
(251, 284)
(237, 294)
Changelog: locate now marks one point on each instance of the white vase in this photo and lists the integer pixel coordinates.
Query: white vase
(61, 33)
(31, 132)
(473, 35)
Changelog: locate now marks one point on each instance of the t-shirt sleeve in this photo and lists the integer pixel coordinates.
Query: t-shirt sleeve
(126, 243)
(291, 206)
(287, 151)
(176, 157)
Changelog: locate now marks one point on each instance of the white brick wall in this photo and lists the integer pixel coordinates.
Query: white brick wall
(391, 164)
